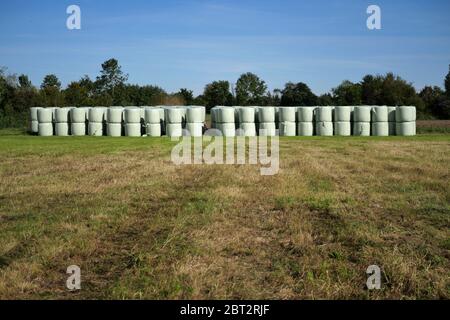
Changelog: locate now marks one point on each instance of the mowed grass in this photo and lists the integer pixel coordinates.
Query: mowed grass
(142, 228)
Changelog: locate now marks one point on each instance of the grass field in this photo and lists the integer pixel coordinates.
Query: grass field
(141, 227)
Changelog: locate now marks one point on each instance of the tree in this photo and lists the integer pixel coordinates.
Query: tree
(250, 89)
(187, 95)
(217, 93)
(24, 81)
(432, 98)
(347, 94)
(447, 83)
(111, 76)
(325, 100)
(298, 94)
(51, 81)
(50, 91)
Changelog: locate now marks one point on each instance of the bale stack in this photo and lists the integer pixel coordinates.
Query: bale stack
(45, 119)
(115, 119)
(305, 121)
(96, 118)
(405, 121)
(361, 121)
(267, 126)
(153, 122)
(324, 121)
(33, 121)
(132, 121)
(391, 121)
(246, 121)
(225, 121)
(195, 118)
(174, 121)
(342, 121)
(78, 121)
(62, 119)
(380, 123)
(287, 117)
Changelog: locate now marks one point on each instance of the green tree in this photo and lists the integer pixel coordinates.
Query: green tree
(187, 95)
(24, 81)
(447, 83)
(347, 94)
(250, 89)
(297, 94)
(50, 91)
(325, 100)
(432, 98)
(111, 76)
(217, 93)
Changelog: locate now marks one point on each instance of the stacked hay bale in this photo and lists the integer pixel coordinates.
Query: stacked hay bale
(391, 120)
(174, 121)
(225, 121)
(324, 121)
(132, 121)
(33, 121)
(153, 122)
(380, 124)
(405, 121)
(342, 121)
(96, 118)
(78, 121)
(114, 116)
(62, 119)
(45, 119)
(247, 126)
(267, 126)
(305, 121)
(287, 117)
(361, 121)
(195, 118)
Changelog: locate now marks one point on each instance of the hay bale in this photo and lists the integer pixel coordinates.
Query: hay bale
(114, 129)
(343, 114)
(45, 115)
(406, 128)
(324, 114)
(45, 129)
(267, 129)
(362, 114)
(132, 115)
(380, 129)
(287, 114)
(305, 114)
(343, 128)
(78, 129)
(95, 128)
(361, 128)
(266, 114)
(61, 129)
(287, 128)
(405, 114)
(153, 130)
(324, 128)
(305, 129)
(380, 114)
(115, 116)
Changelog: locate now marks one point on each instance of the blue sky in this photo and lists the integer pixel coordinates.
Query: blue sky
(189, 43)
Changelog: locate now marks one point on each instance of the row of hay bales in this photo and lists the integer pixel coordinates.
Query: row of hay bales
(320, 121)
(228, 121)
(117, 121)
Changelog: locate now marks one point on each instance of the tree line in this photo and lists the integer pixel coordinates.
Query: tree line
(110, 87)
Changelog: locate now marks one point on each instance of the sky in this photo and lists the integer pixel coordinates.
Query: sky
(189, 43)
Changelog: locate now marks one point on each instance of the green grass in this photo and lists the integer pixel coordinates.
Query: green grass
(141, 227)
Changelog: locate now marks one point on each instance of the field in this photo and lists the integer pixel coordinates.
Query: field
(140, 227)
